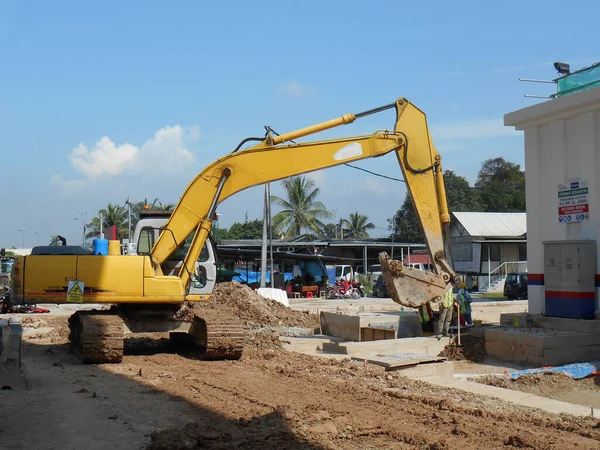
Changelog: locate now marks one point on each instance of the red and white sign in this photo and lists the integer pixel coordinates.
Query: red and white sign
(573, 209)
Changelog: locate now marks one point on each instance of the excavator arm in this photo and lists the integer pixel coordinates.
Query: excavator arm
(277, 157)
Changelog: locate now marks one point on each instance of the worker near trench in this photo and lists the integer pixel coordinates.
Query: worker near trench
(464, 300)
(445, 313)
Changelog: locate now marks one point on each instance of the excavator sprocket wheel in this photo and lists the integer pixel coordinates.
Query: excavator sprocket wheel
(96, 338)
(218, 341)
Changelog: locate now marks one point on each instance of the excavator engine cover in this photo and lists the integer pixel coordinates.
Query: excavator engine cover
(408, 286)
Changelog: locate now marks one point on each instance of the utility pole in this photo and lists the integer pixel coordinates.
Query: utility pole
(263, 253)
(128, 220)
(101, 219)
(270, 228)
(22, 230)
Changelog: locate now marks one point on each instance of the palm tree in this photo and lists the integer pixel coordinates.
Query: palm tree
(111, 215)
(356, 226)
(301, 210)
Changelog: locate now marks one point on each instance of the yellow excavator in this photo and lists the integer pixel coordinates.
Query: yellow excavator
(152, 290)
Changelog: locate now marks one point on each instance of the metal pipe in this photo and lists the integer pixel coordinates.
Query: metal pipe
(343, 120)
(375, 110)
(215, 200)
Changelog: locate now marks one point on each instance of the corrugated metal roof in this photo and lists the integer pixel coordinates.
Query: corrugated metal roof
(492, 224)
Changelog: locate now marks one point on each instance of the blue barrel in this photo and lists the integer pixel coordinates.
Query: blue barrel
(100, 246)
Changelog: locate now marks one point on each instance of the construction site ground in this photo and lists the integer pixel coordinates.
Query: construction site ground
(271, 398)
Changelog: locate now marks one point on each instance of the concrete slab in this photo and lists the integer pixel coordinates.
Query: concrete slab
(399, 361)
(520, 398)
(12, 373)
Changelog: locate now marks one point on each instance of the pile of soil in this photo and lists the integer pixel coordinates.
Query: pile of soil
(241, 303)
(544, 384)
(472, 348)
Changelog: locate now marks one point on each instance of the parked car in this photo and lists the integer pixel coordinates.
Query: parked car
(380, 288)
(515, 286)
(344, 272)
(374, 272)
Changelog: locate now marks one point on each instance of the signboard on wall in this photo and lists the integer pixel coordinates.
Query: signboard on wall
(573, 204)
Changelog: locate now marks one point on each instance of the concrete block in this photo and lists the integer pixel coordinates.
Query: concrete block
(12, 373)
(340, 325)
(349, 327)
(513, 319)
(566, 324)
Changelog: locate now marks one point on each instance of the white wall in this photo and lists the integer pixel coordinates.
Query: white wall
(562, 144)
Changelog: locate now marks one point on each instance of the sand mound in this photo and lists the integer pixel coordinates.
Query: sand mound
(240, 302)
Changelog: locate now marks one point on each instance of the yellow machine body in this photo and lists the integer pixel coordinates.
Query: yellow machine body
(140, 279)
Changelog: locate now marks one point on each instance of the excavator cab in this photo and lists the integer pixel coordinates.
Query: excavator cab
(204, 272)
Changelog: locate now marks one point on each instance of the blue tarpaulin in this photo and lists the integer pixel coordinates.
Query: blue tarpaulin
(254, 277)
(575, 371)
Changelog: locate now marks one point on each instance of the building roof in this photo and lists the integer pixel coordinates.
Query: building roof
(492, 224)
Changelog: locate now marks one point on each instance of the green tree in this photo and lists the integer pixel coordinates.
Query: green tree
(111, 215)
(357, 226)
(501, 185)
(247, 230)
(54, 240)
(330, 231)
(301, 210)
(459, 195)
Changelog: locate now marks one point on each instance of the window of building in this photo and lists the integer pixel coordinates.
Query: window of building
(491, 252)
(522, 252)
(462, 251)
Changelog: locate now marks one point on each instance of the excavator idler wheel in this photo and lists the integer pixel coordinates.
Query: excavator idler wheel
(218, 341)
(96, 337)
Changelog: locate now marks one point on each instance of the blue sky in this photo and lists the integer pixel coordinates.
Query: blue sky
(101, 101)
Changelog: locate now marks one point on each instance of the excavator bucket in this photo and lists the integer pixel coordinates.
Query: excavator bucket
(408, 286)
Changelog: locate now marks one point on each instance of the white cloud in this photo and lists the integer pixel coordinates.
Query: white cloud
(294, 89)
(475, 129)
(165, 153)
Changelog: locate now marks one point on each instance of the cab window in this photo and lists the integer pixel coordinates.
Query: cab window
(182, 250)
(145, 241)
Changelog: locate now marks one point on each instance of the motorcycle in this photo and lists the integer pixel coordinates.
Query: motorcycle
(344, 290)
(359, 287)
(6, 307)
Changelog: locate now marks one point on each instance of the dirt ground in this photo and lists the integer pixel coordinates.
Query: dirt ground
(269, 399)
(585, 392)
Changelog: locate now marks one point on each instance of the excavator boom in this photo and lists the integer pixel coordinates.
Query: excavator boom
(277, 157)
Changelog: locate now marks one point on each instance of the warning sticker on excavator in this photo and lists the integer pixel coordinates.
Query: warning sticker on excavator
(75, 292)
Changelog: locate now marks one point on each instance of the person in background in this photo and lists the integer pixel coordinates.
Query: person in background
(464, 300)
(446, 304)
(426, 318)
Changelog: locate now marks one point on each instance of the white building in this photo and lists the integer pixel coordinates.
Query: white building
(487, 245)
(562, 162)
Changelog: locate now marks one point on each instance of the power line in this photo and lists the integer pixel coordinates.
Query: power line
(375, 173)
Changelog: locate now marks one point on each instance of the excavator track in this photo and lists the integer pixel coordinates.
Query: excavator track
(96, 337)
(218, 340)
